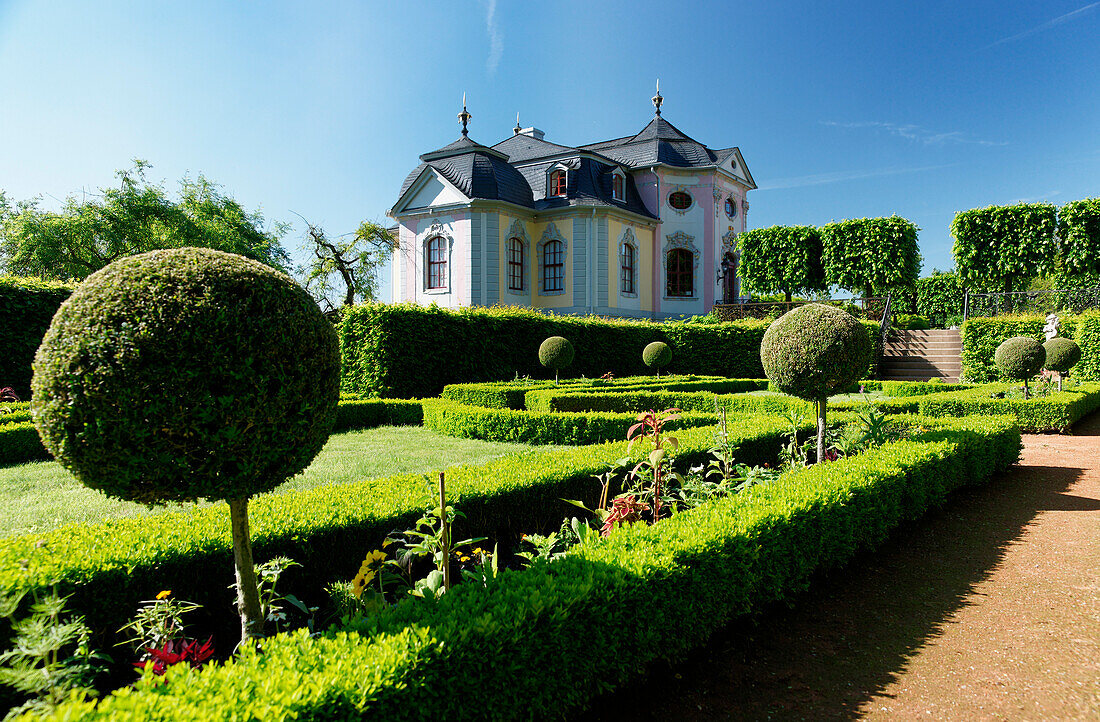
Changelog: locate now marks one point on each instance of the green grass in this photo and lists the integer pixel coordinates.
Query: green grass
(40, 496)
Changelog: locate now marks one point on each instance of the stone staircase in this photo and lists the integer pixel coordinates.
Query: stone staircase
(922, 355)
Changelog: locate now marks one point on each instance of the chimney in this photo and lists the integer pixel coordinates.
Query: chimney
(533, 133)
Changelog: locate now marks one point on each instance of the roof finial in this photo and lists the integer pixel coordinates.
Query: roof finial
(657, 99)
(518, 128)
(464, 116)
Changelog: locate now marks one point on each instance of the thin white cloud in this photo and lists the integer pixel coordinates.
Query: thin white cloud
(915, 133)
(1041, 197)
(842, 176)
(496, 37)
(1053, 23)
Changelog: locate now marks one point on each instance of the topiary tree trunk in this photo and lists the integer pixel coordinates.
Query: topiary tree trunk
(822, 406)
(248, 594)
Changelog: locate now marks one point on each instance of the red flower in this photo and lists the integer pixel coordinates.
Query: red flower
(175, 651)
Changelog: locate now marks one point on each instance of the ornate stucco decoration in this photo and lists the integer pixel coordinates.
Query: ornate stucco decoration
(551, 234)
(680, 189)
(518, 230)
(729, 241)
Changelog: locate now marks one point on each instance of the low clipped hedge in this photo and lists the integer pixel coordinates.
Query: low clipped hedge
(918, 388)
(982, 336)
(696, 401)
(108, 567)
(514, 640)
(404, 350)
(20, 443)
(513, 394)
(1055, 412)
(537, 427)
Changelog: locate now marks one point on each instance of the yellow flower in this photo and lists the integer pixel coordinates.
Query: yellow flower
(164, 594)
(361, 581)
(464, 558)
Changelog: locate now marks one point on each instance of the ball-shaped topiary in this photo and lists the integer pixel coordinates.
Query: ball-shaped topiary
(556, 353)
(1062, 354)
(657, 355)
(814, 350)
(184, 374)
(1020, 357)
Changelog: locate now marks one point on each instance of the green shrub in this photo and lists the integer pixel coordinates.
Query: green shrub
(26, 305)
(782, 259)
(394, 350)
(672, 585)
(556, 353)
(981, 336)
(910, 322)
(19, 443)
(814, 350)
(938, 297)
(1056, 412)
(1020, 357)
(108, 567)
(1079, 238)
(188, 374)
(536, 427)
(656, 355)
(1062, 354)
(919, 388)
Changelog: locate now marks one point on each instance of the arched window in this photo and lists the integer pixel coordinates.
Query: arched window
(626, 273)
(558, 184)
(515, 264)
(553, 267)
(617, 185)
(436, 251)
(680, 270)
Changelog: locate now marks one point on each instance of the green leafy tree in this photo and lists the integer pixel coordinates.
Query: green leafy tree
(137, 216)
(1079, 241)
(782, 259)
(347, 265)
(871, 256)
(1003, 248)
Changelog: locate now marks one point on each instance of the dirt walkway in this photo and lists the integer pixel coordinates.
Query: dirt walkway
(988, 609)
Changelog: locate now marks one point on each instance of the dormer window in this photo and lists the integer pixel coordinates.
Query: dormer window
(558, 183)
(618, 186)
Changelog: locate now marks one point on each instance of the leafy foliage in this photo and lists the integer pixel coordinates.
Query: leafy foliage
(656, 355)
(556, 353)
(871, 255)
(938, 297)
(814, 350)
(1079, 239)
(692, 574)
(981, 336)
(1003, 248)
(1062, 354)
(1055, 412)
(1020, 357)
(137, 216)
(351, 261)
(27, 306)
(782, 259)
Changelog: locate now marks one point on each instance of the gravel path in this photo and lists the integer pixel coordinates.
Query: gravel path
(988, 609)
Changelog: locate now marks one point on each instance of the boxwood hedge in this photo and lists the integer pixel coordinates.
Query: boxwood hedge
(27, 306)
(405, 350)
(525, 640)
(982, 336)
(1056, 412)
(108, 567)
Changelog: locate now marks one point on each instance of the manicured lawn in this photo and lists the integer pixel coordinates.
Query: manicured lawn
(41, 496)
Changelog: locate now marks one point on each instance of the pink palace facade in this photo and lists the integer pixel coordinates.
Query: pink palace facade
(640, 226)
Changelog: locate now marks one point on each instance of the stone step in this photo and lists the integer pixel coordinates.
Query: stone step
(907, 366)
(926, 333)
(932, 357)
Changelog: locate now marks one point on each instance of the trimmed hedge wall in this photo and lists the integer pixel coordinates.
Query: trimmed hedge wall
(405, 350)
(20, 443)
(1056, 412)
(513, 640)
(537, 427)
(982, 336)
(918, 388)
(27, 306)
(108, 567)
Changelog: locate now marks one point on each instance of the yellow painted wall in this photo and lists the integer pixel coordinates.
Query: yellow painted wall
(562, 300)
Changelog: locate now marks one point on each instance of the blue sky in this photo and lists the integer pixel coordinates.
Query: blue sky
(842, 110)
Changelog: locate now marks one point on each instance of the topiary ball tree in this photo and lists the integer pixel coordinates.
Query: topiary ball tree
(813, 351)
(656, 355)
(1020, 358)
(1062, 355)
(188, 374)
(556, 353)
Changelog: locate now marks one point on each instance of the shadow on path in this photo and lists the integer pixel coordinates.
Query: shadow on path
(849, 636)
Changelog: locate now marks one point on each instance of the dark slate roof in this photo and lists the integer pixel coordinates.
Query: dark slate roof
(521, 148)
(589, 185)
(476, 170)
(658, 142)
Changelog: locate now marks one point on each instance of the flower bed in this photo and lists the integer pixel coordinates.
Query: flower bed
(524, 641)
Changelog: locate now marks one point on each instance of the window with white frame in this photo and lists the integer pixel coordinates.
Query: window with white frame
(435, 268)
